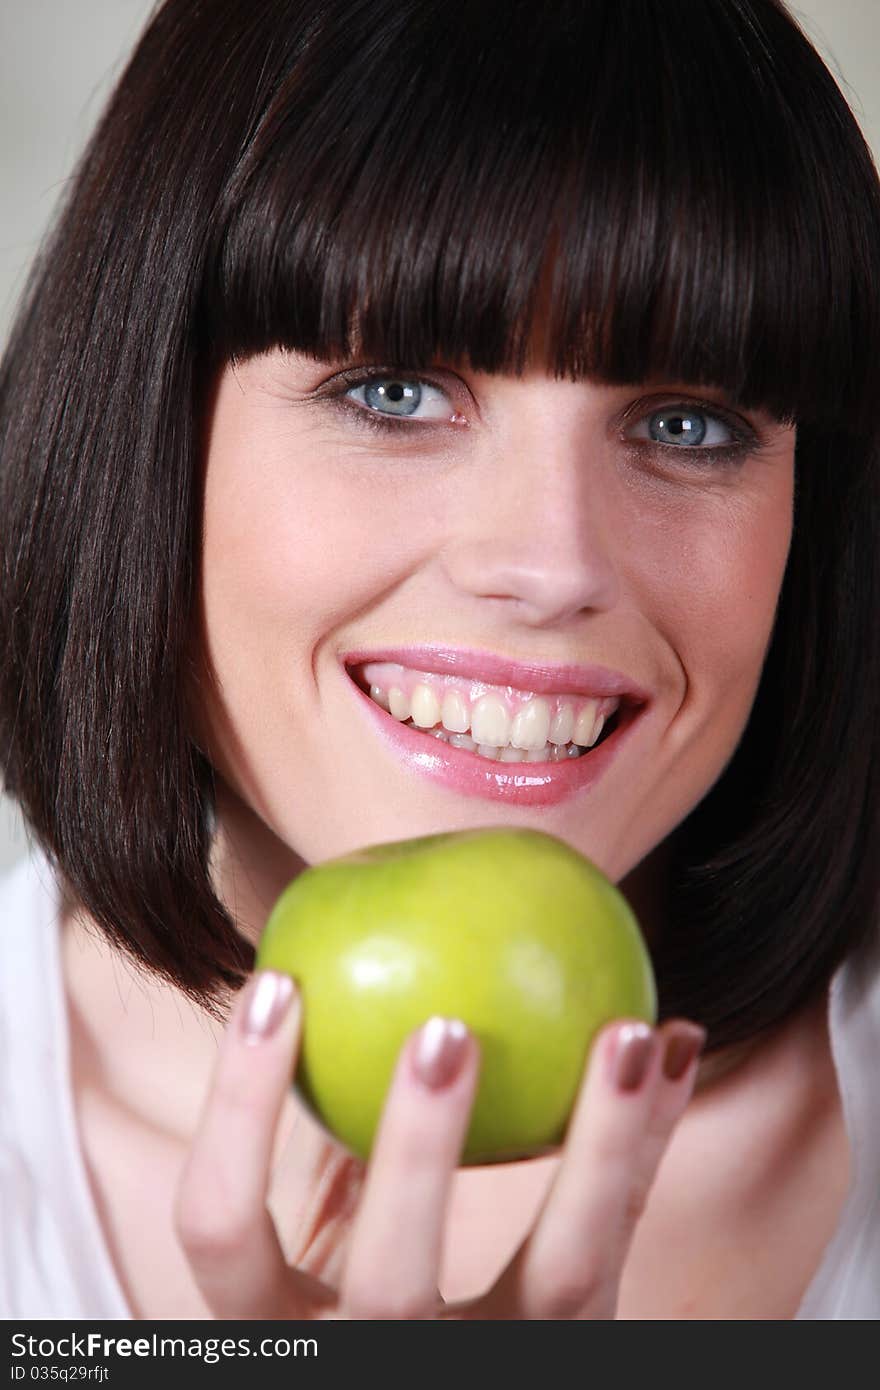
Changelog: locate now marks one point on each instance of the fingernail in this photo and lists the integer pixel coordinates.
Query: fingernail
(270, 996)
(682, 1047)
(631, 1056)
(439, 1052)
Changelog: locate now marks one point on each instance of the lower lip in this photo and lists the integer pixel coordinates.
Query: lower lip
(517, 784)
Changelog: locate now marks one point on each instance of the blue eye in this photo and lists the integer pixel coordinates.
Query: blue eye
(402, 397)
(393, 397)
(685, 427)
(676, 427)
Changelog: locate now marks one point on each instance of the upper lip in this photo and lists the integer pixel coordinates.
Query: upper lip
(544, 677)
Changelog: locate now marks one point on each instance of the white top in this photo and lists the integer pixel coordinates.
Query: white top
(54, 1260)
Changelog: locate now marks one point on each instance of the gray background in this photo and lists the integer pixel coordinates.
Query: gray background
(59, 58)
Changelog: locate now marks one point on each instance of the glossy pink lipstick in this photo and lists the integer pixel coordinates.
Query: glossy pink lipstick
(520, 784)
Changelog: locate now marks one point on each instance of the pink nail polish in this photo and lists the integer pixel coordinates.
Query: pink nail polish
(681, 1049)
(439, 1052)
(632, 1050)
(270, 996)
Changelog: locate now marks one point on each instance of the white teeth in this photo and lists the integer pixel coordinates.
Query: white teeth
(511, 755)
(531, 725)
(425, 711)
(490, 722)
(455, 713)
(463, 741)
(585, 723)
(489, 750)
(562, 726)
(487, 727)
(550, 753)
(398, 703)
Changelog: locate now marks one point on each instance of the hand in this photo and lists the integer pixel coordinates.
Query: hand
(389, 1245)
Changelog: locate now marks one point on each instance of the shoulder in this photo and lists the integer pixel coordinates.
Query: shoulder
(854, 1013)
(52, 1260)
(27, 886)
(847, 1285)
(30, 910)
(854, 1025)
(31, 994)
(27, 1055)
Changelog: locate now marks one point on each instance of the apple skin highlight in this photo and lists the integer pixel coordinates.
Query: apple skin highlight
(510, 930)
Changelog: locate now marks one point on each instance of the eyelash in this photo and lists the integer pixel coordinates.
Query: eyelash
(336, 392)
(744, 441)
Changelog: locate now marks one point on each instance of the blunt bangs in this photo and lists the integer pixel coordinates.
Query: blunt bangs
(633, 190)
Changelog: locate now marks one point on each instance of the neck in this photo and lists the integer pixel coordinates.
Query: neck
(250, 865)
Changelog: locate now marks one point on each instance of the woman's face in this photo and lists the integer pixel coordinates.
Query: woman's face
(641, 529)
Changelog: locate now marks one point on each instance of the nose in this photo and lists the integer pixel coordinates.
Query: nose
(533, 531)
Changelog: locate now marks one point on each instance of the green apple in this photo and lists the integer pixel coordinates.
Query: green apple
(510, 930)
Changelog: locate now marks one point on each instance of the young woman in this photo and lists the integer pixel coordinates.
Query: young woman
(478, 347)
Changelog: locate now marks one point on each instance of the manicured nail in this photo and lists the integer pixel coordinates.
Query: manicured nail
(631, 1056)
(439, 1052)
(270, 996)
(682, 1047)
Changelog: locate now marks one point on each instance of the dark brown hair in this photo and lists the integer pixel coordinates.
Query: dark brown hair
(279, 171)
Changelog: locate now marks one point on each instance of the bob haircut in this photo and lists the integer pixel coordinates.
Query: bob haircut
(396, 177)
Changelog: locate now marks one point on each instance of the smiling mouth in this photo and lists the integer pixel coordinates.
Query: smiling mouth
(489, 723)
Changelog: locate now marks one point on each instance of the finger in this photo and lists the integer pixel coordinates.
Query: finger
(570, 1264)
(681, 1044)
(220, 1212)
(396, 1243)
(316, 1187)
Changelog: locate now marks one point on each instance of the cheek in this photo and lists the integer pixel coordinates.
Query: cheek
(722, 566)
(289, 545)
(297, 541)
(707, 582)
